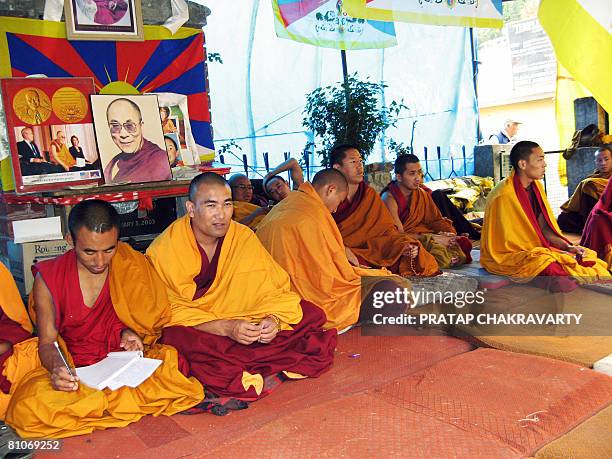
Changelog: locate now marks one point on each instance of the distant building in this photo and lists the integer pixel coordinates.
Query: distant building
(517, 80)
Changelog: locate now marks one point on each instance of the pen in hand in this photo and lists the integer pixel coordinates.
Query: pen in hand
(73, 376)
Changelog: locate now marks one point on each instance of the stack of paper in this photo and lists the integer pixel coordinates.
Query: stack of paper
(118, 369)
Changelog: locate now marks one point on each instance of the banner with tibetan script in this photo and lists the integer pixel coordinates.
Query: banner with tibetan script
(464, 13)
(325, 23)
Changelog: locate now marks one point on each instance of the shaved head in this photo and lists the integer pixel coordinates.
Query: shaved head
(236, 179)
(331, 186)
(94, 215)
(330, 176)
(206, 178)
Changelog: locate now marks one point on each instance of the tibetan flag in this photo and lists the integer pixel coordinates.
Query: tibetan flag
(463, 13)
(163, 63)
(581, 34)
(325, 23)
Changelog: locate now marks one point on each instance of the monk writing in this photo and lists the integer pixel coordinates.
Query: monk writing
(234, 316)
(245, 211)
(576, 209)
(521, 238)
(99, 297)
(367, 227)
(17, 352)
(415, 214)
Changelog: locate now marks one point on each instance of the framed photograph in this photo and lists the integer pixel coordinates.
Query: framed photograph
(51, 132)
(117, 20)
(130, 138)
(174, 113)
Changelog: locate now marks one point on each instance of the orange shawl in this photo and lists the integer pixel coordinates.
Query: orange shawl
(368, 230)
(249, 284)
(303, 238)
(418, 212)
(244, 209)
(511, 246)
(10, 300)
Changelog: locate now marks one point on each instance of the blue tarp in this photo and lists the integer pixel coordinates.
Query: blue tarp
(259, 91)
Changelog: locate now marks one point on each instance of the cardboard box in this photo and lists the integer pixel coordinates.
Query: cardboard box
(23, 256)
(15, 212)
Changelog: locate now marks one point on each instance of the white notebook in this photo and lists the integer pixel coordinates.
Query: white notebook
(118, 369)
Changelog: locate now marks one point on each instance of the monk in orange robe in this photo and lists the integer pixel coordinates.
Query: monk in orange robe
(17, 352)
(233, 314)
(520, 236)
(300, 233)
(597, 233)
(99, 297)
(245, 211)
(367, 227)
(416, 214)
(577, 208)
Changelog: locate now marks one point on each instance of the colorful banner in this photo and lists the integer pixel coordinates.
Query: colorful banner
(464, 13)
(325, 23)
(581, 34)
(163, 63)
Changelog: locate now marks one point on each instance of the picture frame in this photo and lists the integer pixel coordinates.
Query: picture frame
(116, 20)
(130, 138)
(51, 133)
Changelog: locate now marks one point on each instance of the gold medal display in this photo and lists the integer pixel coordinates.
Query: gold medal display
(32, 106)
(69, 105)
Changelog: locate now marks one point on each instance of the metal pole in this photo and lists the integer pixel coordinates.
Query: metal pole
(345, 76)
(475, 63)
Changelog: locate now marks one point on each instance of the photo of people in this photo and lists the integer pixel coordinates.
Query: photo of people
(45, 118)
(95, 19)
(172, 148)
(101, 11)
(44, 155)
(130, 138)
(174, 115)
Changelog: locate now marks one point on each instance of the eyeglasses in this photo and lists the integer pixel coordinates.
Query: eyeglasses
(130, 127)
(243, 187)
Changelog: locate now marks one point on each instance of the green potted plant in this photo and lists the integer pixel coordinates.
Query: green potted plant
(350, 112)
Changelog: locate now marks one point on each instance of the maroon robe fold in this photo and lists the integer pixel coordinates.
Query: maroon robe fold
(597, 233)
(149, 164)
(218, 362)
(10, 332)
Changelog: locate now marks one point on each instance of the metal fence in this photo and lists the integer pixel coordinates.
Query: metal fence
(436, 167)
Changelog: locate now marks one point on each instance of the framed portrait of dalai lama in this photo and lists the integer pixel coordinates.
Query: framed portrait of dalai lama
(130, 138)
(51, 133)
(117, 20)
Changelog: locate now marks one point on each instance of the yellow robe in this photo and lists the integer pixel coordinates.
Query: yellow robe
(36, 410)
(303, 238)
(25, 353)
(244, 209)
(62, 155)
(510, 245)
(249, 284)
